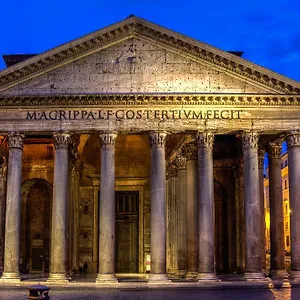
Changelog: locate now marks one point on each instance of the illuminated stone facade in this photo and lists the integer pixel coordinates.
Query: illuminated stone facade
(137, 148)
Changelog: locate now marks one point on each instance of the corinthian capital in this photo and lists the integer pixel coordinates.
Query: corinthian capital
(275, 150)
(172, 170)
(16, 140)
(61, 140)
(108, 140)
(180, 162)
(190, 151)
(205, 139)
(158, 139)
(293, 139)
(250, 139)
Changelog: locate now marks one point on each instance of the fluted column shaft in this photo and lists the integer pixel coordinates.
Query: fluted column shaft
(293, 140)
(191, 152)
(107, 209)
(253, 232)
(59, 243)
(157, 206)
(13, 208)
(276, 210)
(206, 207)
(181, 197)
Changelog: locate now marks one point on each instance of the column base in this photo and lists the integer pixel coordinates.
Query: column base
(191, 275)
(279, 283)
(173, 272)
(279, 274)
(181, 273)
(265, 271)
(295, 275)
(210, 277)
(158, 279)
(254, 276)
(106, 279)
(58, 278)
(10, 277)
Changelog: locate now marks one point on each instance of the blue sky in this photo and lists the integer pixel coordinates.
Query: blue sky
(268, 31)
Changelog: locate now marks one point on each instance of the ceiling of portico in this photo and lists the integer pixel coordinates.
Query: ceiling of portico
(136, 56)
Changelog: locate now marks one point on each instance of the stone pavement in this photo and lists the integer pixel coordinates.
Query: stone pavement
(136, 288)
(234, 293)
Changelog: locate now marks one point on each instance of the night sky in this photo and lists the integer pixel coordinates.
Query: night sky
(268, 31)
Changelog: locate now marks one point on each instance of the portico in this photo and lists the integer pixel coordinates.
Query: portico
(148, 155)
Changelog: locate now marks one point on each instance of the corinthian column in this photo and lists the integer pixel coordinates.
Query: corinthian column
(172, 217)
(293, 140)
(73, 209)
(106, 273)
(59, 243)
(276, 212)
(261, 158)
(206, 207)
(13, 209)
(181, 196)
(157, 205)
(253, 269)
(191, 152)
(3, 176)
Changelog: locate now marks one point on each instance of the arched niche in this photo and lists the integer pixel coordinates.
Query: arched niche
(36, 225)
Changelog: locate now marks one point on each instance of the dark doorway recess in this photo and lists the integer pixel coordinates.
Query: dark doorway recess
(127, 232)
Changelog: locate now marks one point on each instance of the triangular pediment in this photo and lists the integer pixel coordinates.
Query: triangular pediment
(136, 56)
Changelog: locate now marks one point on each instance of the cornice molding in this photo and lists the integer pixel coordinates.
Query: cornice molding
(132, 27)
(146, 99)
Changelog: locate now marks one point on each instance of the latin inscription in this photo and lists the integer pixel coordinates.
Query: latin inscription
(121, 114)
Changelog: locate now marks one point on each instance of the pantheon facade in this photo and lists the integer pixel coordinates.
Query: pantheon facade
(138, 150)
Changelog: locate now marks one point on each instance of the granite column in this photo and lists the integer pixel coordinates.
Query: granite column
(172, 224)
(277, 267)
(293, 141)
(206, 207)
(106, 273)
(158, 207)
(3, 177)
(13, 209)
(181, 216)
(261, 158)
(59, 243)
(191, 152)
(253, 269)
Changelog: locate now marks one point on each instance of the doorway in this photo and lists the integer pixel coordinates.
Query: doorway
(37, 259)
(36, 225)
(127, 232)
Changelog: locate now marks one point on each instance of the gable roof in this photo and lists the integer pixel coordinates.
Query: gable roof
(134, 26)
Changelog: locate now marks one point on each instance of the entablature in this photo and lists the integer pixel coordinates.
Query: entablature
(95, 100)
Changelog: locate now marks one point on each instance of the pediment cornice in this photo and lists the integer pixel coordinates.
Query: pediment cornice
(58, 101)
(133, 27)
